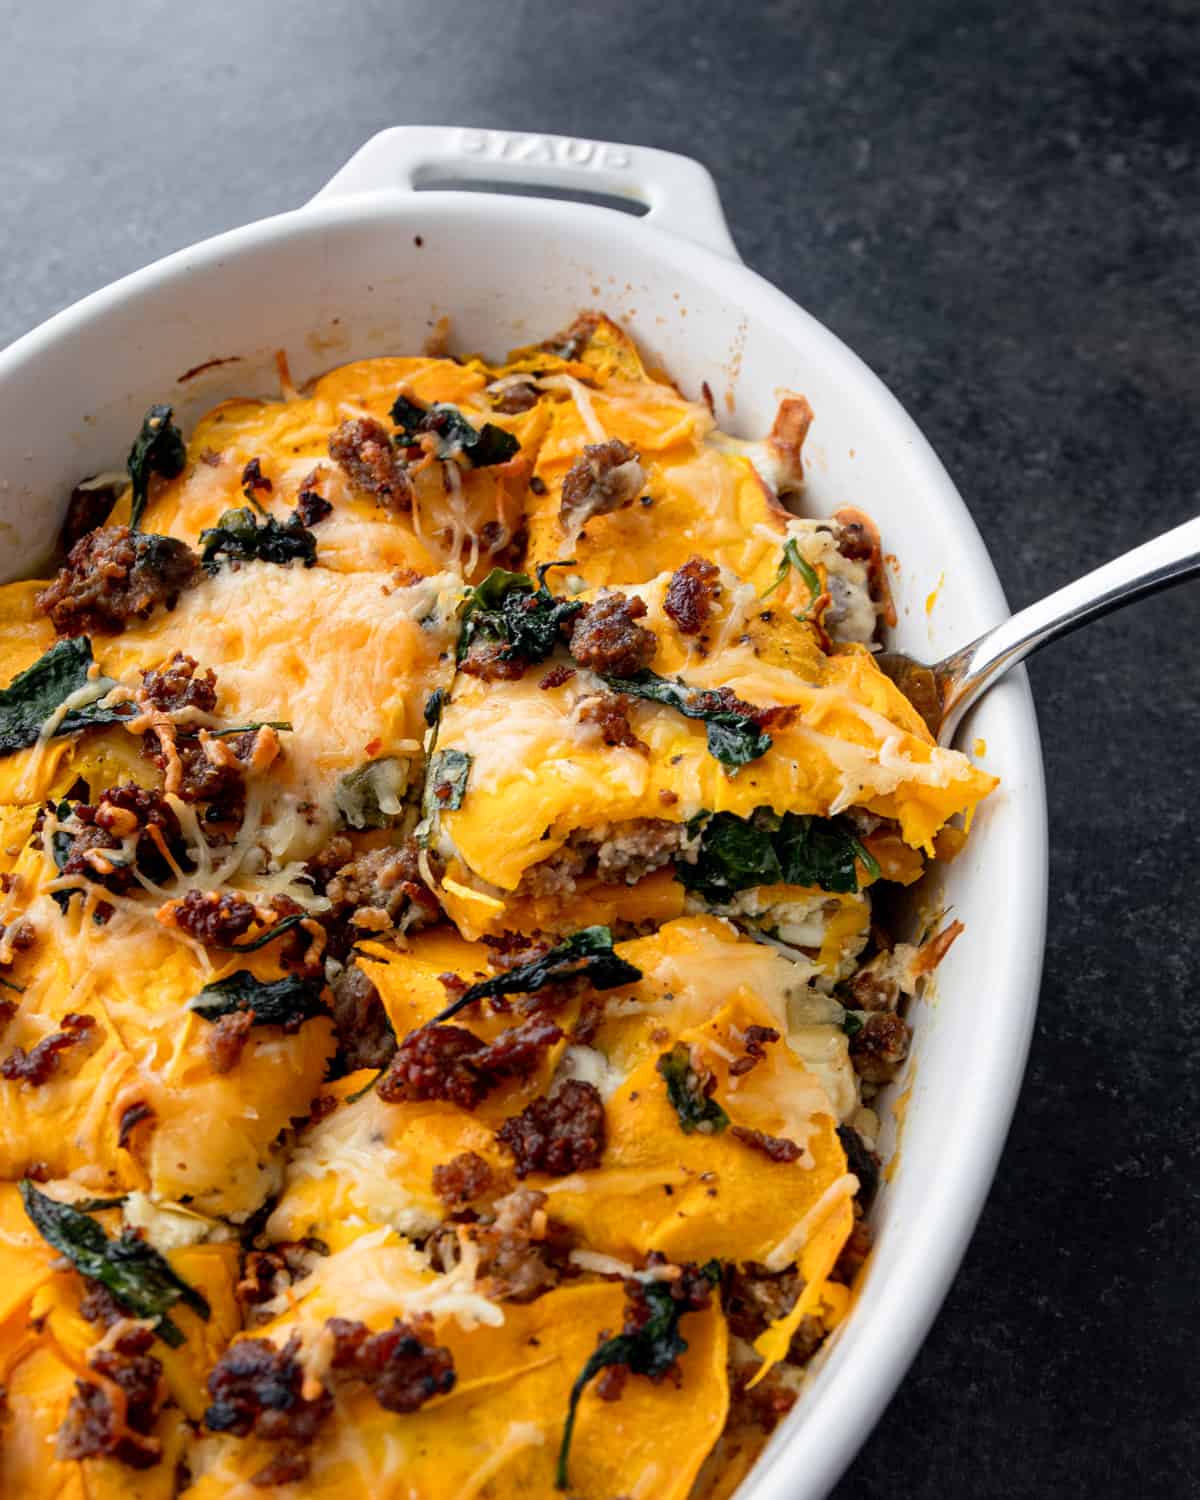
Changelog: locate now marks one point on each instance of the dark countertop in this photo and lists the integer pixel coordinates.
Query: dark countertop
(998, 208)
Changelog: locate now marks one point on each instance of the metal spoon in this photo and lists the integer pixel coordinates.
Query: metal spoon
(943, 692)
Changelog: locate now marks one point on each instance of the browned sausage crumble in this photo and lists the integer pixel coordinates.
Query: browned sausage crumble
(561, 1134)
(114, 575)
(362, 448)
(606, 477)
(693, 590)
(91, 1428)
(605, 637)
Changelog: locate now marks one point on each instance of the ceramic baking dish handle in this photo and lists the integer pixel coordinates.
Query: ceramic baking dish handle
(678, 193)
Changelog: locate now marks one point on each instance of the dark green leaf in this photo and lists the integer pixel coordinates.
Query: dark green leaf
(507, 607)
(733, 738)
(238, 537)
(371, 795)
(407, 416)
(851, 1024)
(446, 781)
(797, 849)
(651, 1351)
(220, 734)
(132, 1270)
(158, 448)
(821, 852)
(286, 924)
(495, 445)
(278, 1002)
(735, 853)
(434, 704)
(35, 693)
(690, 1092)
(483, 447)
(792, 558)
(587, 954)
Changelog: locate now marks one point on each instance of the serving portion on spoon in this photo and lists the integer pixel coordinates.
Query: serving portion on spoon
(943, 691)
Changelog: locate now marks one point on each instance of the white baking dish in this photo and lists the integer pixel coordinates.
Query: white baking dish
(367, 268)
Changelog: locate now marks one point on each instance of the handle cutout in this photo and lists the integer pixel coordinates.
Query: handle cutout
(432, 178)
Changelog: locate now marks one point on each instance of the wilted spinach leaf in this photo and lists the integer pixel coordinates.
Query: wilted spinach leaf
(508, 607)
(690, 1092)
(238, 537)
(279, 1002)
(821, 852)
(586, 954)
(733, 737)
(158, 448)
(792, 558)
(651, 1351)
(796, 849)
(483, 446)
(35, 693)
(371, 796)
(434, 704)
(132, 1270)
(446, 781)
(285, 924)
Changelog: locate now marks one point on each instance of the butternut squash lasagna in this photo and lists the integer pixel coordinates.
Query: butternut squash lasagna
(450, 819)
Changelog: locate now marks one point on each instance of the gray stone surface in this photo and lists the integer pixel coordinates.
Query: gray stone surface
(996, 206)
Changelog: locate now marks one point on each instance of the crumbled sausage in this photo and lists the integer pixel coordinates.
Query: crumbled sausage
(328, 860)
(777, 1147)
(753, 1297)
(400, 1368)
(693, 589)
(386, 881)
(257, 1388)
(491, 661)
(762, 1406)
(609, 712)
(462, 1179)
(754, 1040)
(362, 448)
(605, 637)
(606, 477)
(639, 847)
(98, 1305)
(114, 575)
(360, 1021)
(91, 1429)
(227, 1038)
(449, 1062)
(433, 1063)
(176, 686)
(39, 1065)
(555, 677)
(267, 1273)
(880, 1046)
(253, 478)
(312, 508)
(522, 1251)
(854, 1252)
(215, 918)
(122, 810)
(515, 398)
(561, 1134)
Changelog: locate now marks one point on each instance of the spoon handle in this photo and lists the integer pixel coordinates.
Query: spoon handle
(1167, 559)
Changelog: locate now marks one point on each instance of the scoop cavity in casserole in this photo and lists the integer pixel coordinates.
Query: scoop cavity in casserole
(451, 825)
